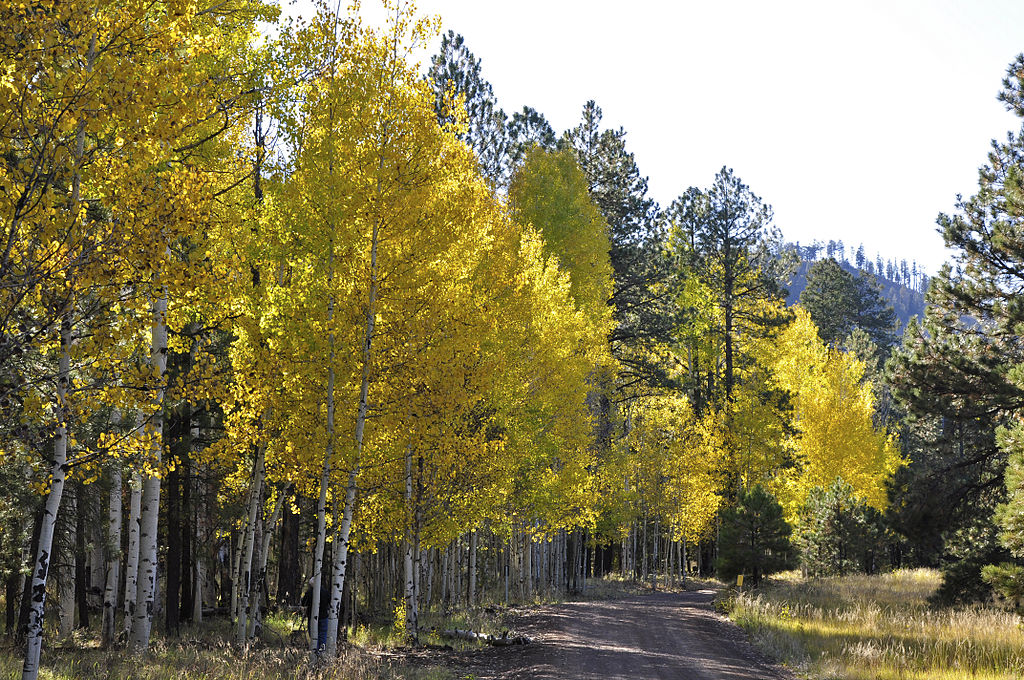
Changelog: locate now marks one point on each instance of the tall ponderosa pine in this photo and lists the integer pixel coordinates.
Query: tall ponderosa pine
(641, 300)
(718, 235)
(455, 72)
(966, 361)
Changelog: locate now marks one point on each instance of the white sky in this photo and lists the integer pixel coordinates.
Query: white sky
(857, 120)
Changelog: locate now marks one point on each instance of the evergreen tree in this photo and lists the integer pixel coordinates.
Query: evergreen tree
(455, 71)
(967, 360)
(528, 128)
(840, 302)
(720, 234)
(754, 537)
(640, 297)
(838, 533)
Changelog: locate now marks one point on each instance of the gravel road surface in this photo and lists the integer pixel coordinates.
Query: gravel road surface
(643, 636)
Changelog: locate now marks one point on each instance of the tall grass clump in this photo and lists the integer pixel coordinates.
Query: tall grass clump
(880, 628)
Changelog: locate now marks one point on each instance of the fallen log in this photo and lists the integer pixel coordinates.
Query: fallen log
(503, 640)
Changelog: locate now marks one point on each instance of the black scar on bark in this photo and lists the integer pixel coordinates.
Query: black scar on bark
(44, 559)
(39, 592)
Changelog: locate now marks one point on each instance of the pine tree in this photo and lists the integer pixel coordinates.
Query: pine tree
(964, 362)
(455, 72)
(754, 537)
(640, 297)
(840, 302)
(717, 233)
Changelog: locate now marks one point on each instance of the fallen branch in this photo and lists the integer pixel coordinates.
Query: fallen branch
(502, 640)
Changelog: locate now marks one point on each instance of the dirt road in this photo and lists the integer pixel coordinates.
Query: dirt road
(645, 636)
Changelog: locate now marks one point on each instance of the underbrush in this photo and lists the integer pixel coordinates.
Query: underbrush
(879, 628)
(207, 652)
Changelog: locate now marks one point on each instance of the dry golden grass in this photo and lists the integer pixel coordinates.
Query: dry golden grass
(879, 628)
(208, 654)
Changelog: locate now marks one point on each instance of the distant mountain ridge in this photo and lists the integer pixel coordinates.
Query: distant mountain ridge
(907, 299)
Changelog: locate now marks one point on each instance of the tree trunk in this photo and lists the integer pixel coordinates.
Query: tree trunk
(249, 545)
(113, 557)
(259, 586)
(131, 570)
(58, 472)
(288, 585)
(411, 622)
(145, 603)
(341, 543)
(471, 591)
(199, 573)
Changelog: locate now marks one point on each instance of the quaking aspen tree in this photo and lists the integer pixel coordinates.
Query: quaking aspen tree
(835, 435)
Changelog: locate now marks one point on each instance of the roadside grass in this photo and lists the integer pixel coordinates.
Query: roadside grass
(879, 628)
(208, 653)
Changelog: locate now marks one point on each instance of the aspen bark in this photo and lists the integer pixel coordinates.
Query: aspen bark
(146, 585)
(58, 474)
(683, 562)
(113, 558)
(248, 545)
(341, 545)
(259, 584)
(342, 537)
(66, 564)
(131, 570)
(471, 593)
(58, 469)
(527, 573)
(411, 624)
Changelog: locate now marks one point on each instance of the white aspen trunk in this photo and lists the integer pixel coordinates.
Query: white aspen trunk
(66, 567)
(342, 537)
(236, 565)
(445, 567)
(198, 574)
(506, 569)
(471, 598)
(671, 564)
(255, 612)
(431, 553)
(248, 545)
(325, 480)
(545, 559)
(411, 635)
(145, 599)
(683, 563)
(338, 569)
(422, 564)
(58, 471)
(654, 556)
(58, 474)
(341, 545)
(527, 567)
(131, 570)
(113, 557)
(411, 624)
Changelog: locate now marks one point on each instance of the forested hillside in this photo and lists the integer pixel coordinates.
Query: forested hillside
(902, 286)
(295, 315)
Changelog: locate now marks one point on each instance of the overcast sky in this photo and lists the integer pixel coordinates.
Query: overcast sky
(857, 120)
